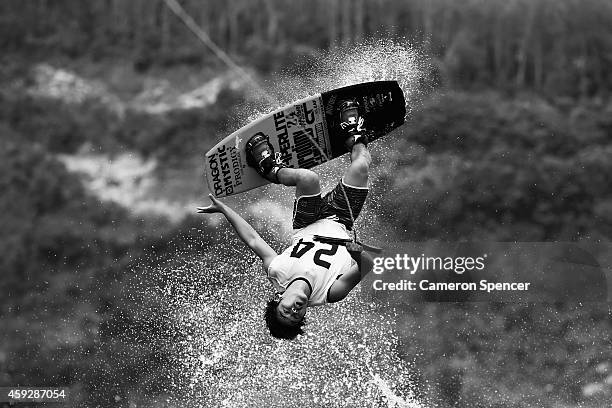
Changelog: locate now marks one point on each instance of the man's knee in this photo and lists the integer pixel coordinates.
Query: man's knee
(358, 171)
(361, 168)
(361, 153)
(308, 181)
(308, 177)
(361, 159)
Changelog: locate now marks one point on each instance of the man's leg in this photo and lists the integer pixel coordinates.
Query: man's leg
(346, 200)
(357, 173)
(306, 182)
(261, 156)
(308, 203)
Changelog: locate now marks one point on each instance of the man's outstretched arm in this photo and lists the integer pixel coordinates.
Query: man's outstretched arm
(244, 230)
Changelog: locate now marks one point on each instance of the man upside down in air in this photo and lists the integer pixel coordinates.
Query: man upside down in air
(309, 272)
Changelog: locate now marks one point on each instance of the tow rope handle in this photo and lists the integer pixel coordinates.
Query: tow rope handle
(344, 241)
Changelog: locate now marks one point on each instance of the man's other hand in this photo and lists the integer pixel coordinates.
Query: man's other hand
(215, 207)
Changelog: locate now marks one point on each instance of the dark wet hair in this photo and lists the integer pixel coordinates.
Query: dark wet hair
(277, 328)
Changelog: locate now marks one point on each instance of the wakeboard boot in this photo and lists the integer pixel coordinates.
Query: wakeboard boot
(351, 123)
(261, 156)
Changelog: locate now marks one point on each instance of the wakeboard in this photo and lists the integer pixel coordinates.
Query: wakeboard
(294, 130)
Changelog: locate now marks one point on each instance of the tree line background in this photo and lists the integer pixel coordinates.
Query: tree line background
(515, 146)
(556, 47)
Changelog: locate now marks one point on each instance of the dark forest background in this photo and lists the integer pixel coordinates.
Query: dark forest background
(558, 48)
(514, 143)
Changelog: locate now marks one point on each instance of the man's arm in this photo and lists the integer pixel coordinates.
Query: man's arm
(345, 283)
(244, 230)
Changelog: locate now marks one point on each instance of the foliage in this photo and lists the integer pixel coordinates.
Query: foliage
(65, 128)
(499, 164)
(508, 355)
(520, 169)
(558, 47)
(65, 255)
(477, 164)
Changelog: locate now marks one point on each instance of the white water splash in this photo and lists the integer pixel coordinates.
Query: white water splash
(222, 354)
(375, 60)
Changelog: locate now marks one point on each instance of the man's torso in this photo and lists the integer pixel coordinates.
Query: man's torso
(319, 263)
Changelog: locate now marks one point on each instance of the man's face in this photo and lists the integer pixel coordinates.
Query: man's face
(292, 307)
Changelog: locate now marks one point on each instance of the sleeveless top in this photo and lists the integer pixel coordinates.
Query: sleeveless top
(317, 262)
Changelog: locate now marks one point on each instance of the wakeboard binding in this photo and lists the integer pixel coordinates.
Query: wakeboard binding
(261, 156)
(351, 123)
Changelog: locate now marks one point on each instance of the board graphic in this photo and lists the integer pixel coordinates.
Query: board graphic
(293, 129)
